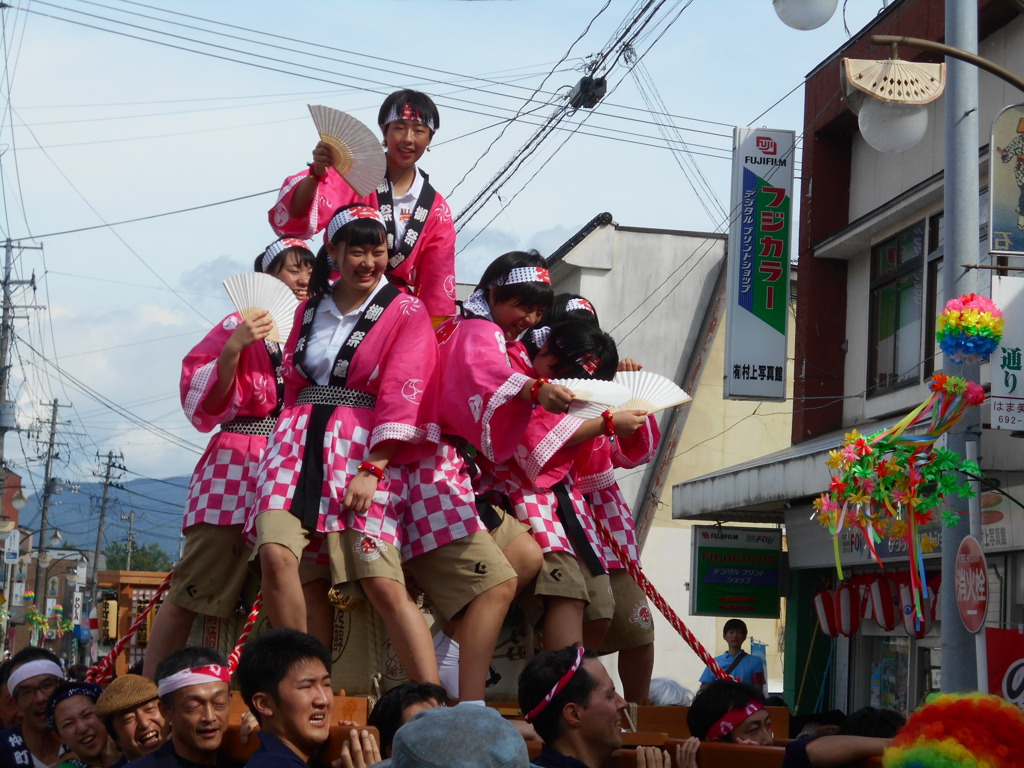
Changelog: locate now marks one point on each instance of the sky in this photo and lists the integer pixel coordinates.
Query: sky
(115, 111)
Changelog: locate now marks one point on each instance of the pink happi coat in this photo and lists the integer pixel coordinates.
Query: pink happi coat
(428, 272)
(594, 472)
(223, 484)
(522, 450)
(480, 386)
(397, 363)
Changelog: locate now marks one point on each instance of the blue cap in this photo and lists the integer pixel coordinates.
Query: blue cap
(464, 736)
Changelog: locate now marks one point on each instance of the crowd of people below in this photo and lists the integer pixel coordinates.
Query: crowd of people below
(568, 702)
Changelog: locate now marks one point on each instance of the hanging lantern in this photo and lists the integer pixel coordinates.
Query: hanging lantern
(825, 607)
(885, 603)
(847, 612)
(914, 626)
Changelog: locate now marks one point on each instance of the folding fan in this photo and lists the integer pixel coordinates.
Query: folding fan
(357, 152)
(593, 396)
(252, 292)
(650, 392)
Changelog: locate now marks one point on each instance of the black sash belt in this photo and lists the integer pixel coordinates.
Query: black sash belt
(262, 426)
(574, 530)
(324, 399)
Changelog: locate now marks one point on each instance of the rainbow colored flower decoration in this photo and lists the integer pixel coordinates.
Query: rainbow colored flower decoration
(30, 594)
(959, 731)
(969, 329)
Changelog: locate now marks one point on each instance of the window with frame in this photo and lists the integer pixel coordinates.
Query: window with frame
(897, 291)
(906, 278)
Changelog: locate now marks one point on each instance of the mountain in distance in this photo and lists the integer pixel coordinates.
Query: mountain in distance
(158, 506)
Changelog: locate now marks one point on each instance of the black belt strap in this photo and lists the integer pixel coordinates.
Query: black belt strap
(574, 530)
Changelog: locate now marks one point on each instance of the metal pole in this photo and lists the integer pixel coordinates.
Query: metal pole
(961, 193)
(44, 511)
(974, 516)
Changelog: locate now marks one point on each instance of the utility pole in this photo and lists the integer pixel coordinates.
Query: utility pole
(8, 420)
(48, 483)
(960, 199)
(114, 462)
(130, 517)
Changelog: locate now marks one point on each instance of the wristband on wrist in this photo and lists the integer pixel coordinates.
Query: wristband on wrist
(311, 166)
(535, 390)
(609, 425)
(373, 469)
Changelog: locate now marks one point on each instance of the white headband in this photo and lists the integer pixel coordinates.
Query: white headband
(409, 112)
(524, 275)
(579, 304)
(212, 673)
(31, 669)
(540, 336)
(279, 245)
(345, 215)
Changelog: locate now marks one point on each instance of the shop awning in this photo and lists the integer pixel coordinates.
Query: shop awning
(760, 491)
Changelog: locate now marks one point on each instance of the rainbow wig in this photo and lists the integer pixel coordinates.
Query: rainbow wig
(972, 730)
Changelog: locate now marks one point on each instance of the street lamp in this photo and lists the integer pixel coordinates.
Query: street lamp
(889, 98)
(805, 14)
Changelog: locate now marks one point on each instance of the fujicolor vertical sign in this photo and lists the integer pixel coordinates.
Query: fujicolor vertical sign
(759, 252)
(735, 571)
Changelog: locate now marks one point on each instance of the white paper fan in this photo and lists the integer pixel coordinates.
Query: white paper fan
(593, 396)
(650, 392)
(252, 292)
(357, 152)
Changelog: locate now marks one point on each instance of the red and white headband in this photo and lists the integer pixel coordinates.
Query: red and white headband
(33, 669)
(346, 215)
(524, 275)
(579, 303)
(211, 673)
(589, 362)
(408, 112)
(724, 725)
(275, 248)
(558, 687)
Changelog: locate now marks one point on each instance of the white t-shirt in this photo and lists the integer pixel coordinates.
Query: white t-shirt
(405, 205)
(330, 330)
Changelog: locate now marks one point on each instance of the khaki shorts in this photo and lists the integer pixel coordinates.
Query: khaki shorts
(632, 624)
(456, 573)
(212, 571)
(355, 556)
(599, 591)
(279, 526)
(560, 576)
(509, 529)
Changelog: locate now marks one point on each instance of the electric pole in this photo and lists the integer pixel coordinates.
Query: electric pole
(8, 416)
(48, 483)
(130, 517)
(114, 463)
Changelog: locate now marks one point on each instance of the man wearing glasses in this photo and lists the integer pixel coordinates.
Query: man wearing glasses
(35, 674)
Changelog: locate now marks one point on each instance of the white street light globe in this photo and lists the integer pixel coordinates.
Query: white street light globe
(892, 127)
(805, 14)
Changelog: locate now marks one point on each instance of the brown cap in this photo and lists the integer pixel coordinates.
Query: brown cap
(126, 692)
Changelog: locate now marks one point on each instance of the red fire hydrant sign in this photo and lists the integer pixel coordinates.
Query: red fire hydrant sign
(971, 584)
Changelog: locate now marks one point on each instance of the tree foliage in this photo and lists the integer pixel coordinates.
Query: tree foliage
(146, 558)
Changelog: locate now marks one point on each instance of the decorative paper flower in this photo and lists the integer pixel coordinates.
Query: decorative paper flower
(891, 483)
(969, 329)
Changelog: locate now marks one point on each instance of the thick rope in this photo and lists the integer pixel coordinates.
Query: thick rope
(103, 671)
(659, 602)
(250, 622)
